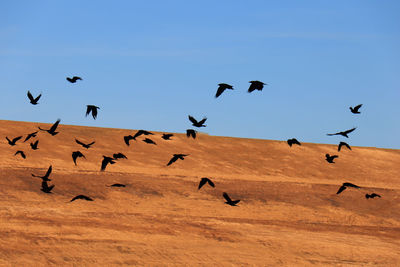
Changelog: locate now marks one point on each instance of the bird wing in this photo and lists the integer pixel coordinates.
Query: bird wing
(127, 138)
(235, 202)
(79, 142)
(333, 134)
(351, 185)
(91, 143)
(55, 125)
(76, 78)
(16, 139)
(356, 108)
(334, 156)
(251, 88)
(340, 146)
(202, 182)
(37, 98)
(375, 195)
(349, 131)
(341, 189)
(75, 198)
(94, 112)
(225, 195)
(88, 110)
(30, 96)
(210, 182)
(203, 121)
(193, 120)
(172, 160)
(137, 134)
(48, 171)
(104, 164)
(220, 90)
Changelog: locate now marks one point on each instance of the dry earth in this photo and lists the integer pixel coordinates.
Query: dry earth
(289, 212)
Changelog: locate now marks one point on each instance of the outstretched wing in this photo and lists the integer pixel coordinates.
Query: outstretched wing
(94, 112)
(48, 171)
(79, 142)
(356, 108)
(88, 110)
(193, 120)
(104, 164)
(349, 131)
(341, 189)
(172, 160)
(127, 138)
(333, 134)
(220, 90)
(16, 139)
(55, 125)
(30, 96)
(137, 134)
(203, 121)
(351, 185)
(203, 181)
(225, 195)
(37, 98)
(91, 143)
(252, 87)
(210, 182)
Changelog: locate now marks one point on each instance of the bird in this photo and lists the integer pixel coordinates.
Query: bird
(345, 185)
(205, 180)
(21, 153)
(373, 195)
(330, 158)
(141, 132)
(46, 176)
(46, 188)
(344, 133)
(105, 161)
(229, 201)
(167, 136)
(175, 157)
(77, 154)
(12, 142)
(197, 123)
(119, 156)
(53, 128)
(87, 146)
(29, 136)
(343, 144)
(256, 85)
(81, 197)
(293, 141)
(117, 185)
(222, 87)
(191, 132)
(34, 101)
(73, 79)
(149, 141)
(93, 109)
(127, 138)
(34, 145)
(355, 109)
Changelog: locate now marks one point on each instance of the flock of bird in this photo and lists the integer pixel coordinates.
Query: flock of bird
(93, 110)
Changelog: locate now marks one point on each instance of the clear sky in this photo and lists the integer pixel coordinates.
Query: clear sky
(149, 64)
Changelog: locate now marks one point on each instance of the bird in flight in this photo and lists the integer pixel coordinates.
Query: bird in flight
(330, 158)
(127, 138)
(355, 109)
(105, 161)
(343, 144)
(117, 185)
(34, 101)
(175, 157)
(256, 85)
(92, 109)
(119, 156)
(222, 87)
(197, 123)
(81, 197)
(87, 146)
(293, 141)
(205, 180)
(344, 133)
(53, 128)
(46, 188)
(141, 132)
(12, 142)
(149, 141)
(34, 145)
(77, 154)
(21, 153)
(167, 136)
(73, 79)
(191, 132)
(29, 136)
(229, 201)
(345, 185)
(373, 195)
(46, 176)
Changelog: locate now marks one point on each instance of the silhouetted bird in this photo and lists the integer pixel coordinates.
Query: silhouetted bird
(105, 161)
(21, 153)
(175, 157)
(53, 128)
(293, 141)
(46, 176)
(345, 185)
(229, 201)
(355, 109)
(46, 188)
(34, 145)
(127, 139)
(222, 87)
(256, 85)
(93, 109)
(34, 101)
(330, 158)
(197, 123)
(167, 136)
(12, 142)
(191, 132)
(117, 185)
(77, 154)
(29, 136)
(87, 146)
(119, 156)
(205, 180)
(149, 141)
(73, 79)
(81, 197)
(343, 144)
(343, 133)
(140, 132)
(373, 195)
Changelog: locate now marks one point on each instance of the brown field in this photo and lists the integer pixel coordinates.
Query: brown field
(289, 212)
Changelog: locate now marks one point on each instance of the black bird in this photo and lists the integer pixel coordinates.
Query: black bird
(229, 201)
(256, 85)
(29, 136)
(12, 142)
(222, 87)
(105, 161)
(46, 176)
(175, 157)
(205, 180)
(343, 133)
(355, 109)
(34, 145)
(81, 197)
(149, 141)
(140, 132)
(293, 141)
(73, 79)
(345, 185)
(373, 195)
(167, 136)
(343, 144)
(46, 188)
(77, 154)
(191, 132)
(117, 185)
(127, 139)
(34, 101)
(20, 152)
(53, 128)
(197, 123)
(119, 156)
(87, 146)
(93, 109)
(330, 158)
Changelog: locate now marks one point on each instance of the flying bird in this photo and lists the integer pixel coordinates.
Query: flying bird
(81, 197)
(53, 128)
(119, 156)
(345, 185)
(87, 146)
(256, 85)
(167, 136)
(293, 141)
(373, 195)
(175, 157)
(34, 145)
(229, 201)
(105, 161)
(92, 109)
(12, 142)
(117, 185)
(46, 176)
(191, 132)
(34, 101)
(149, 141)
(127, 138)
(46, 188)
(205, 180)
(330, 158)
(343, 133)
(222, 87)
(141, 132)
(73, 79)
(21, 153)
(343, 144)
(77, 154)
(355, 109)
(29, 136)
(197, 123)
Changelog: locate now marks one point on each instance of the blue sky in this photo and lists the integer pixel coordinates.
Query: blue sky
(149, 64)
